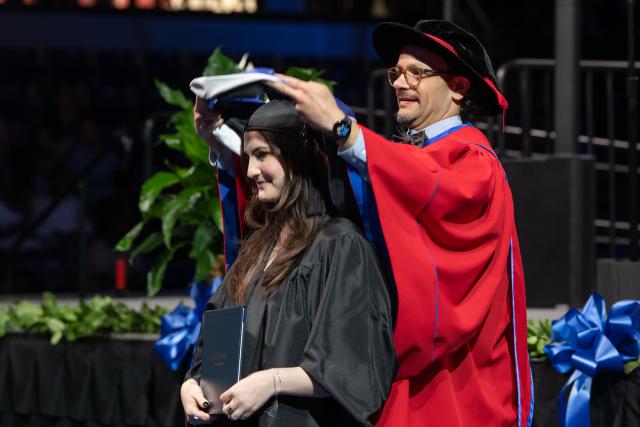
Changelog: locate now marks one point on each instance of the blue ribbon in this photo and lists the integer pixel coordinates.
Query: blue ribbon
(179, 329)
(586, 342)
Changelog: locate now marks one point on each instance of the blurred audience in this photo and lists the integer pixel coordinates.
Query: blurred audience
(59, 113)
(60, 110)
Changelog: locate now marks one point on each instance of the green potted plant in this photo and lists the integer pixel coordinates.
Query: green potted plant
(99, 316)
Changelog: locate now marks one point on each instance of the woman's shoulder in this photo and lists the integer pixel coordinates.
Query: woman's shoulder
(335, 235)
(336, 227)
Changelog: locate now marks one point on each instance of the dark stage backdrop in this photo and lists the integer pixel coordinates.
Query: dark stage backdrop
(121, 383)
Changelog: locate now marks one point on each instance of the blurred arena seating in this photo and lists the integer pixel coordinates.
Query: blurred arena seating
(62, 108)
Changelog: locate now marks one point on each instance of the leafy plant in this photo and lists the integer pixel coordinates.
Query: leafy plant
(538, 335)
(631, 366)
(310, 74)
(179, 206)
(98, 316)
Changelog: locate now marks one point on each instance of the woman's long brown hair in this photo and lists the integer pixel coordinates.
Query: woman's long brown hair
(301, 208)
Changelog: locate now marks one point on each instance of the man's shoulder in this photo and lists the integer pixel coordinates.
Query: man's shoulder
(468, 134)
(467, 138)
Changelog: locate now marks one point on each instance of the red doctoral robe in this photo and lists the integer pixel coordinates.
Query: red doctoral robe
(447, 218)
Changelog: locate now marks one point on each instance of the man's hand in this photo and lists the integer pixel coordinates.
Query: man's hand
(194, 403)
(316, 104)
(314, 101)
(248, 395)
(205, 120)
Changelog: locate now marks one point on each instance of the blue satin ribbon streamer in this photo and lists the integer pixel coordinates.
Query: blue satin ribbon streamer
(589, 341)
(179, 329)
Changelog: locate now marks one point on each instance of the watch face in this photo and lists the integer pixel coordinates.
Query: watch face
(342, 128)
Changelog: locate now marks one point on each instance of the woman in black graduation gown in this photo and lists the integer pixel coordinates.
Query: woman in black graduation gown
(318, 346)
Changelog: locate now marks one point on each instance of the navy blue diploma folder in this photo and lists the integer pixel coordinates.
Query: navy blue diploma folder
(221, 353)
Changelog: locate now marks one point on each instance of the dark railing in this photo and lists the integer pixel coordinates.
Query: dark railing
(381, 103)
(529, 130)
(529, 82)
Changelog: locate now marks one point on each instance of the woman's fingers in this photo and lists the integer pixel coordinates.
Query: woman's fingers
(202, 111)
(194, 403)
(226, 396)
(229, 410)
(197, 416)
(234, 410)
(201, 106)
(245, 397)
(198, 396)
(194, 411)
(204, 125)
(205, 121)
(238, 415)
(202, 114)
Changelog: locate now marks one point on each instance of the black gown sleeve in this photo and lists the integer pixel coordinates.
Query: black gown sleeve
(350, 349)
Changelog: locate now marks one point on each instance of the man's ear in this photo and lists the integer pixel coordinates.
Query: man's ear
(459, 85)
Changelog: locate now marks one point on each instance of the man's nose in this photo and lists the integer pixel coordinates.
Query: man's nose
(400, 83)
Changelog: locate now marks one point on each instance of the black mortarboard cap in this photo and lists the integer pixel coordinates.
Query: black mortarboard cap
(277, 116)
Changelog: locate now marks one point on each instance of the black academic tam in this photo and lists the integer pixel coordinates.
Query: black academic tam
(461, 49)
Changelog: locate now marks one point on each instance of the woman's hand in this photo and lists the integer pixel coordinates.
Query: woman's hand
(205, 120)
(194, 403)
(248, 395)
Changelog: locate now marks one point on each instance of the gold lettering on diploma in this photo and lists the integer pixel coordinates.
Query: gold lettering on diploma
(218, 359)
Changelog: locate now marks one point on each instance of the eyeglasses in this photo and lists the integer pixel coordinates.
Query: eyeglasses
(412, 76)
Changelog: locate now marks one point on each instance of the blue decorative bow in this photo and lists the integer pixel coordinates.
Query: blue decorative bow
(179, 329)
(586, 342)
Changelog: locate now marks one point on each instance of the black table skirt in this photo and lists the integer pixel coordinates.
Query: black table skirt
(91, 382)
(615, 398)
(109, 382)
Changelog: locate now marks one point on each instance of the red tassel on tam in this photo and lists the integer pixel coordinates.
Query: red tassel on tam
(502, 101)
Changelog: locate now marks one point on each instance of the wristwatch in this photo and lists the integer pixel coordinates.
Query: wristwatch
(341, 129)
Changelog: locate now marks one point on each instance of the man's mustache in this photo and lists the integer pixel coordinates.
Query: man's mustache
(406, 95)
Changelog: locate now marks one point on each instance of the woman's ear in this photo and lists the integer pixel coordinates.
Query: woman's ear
(459, 86)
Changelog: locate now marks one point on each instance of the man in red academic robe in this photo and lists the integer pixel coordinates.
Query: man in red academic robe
(446, 214)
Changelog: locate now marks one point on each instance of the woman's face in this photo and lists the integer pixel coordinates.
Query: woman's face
(263, 167)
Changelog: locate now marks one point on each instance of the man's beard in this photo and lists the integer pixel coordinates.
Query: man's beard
(405, 119)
